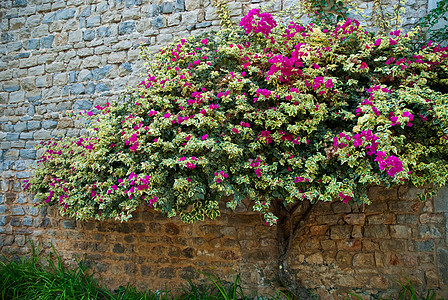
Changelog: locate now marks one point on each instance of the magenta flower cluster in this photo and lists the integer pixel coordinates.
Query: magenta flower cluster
(256, 21)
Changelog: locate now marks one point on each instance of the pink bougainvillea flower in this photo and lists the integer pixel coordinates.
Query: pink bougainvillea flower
(204, 137)
(256, 21)
(317, 82)
(235, 130)
(378, 42)
(363, 66)
(191, 165)
(345, 198)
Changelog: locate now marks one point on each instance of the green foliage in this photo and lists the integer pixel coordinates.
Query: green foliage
(327, 11)
(432, 19)
(29, 279)
(261, 111)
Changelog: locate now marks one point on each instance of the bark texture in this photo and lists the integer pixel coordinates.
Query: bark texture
(291, 222)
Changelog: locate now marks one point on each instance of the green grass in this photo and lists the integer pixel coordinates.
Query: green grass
(36, 277)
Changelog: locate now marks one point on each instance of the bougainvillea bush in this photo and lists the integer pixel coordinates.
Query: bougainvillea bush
(273, 111)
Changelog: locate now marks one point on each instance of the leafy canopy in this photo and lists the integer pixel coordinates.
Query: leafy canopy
(271, 110)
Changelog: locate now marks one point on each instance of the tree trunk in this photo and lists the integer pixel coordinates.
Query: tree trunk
(288, 226)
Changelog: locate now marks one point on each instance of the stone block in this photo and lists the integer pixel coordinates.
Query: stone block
(85, 52)
(210, 13)
(179, 5)
(82, 104)
(166, 7)
(442, 262)
(376, 231)
(72, 75)
(400, 231)
(424, 246)
(173, 20)
(11, 86)
(33, 125)
(407, 219)
(126, 27)
(36, 71)
(118, 248)
(189, 18)
(69, 224)
(117, 57)
(34, 211)
(3, 209)
(22, 55)
(27, 136)
(74, 37)
(428, 218)
(17, 97)
(3, 220)
(27, 221)
(103, 32)
(90, 88)
(91, 62)
(85, 75)
(429, 232)
(44, 81)
(20, 126)
(157, 22)
(77, 89)
(364, 260)
(340, 232)
(57, 67)
(127, 66)
(101, 87)
(441, 200)
(48, 18)
(129, 14)
(15, 222)
(12, 136)
(49, 124)
(355, 219)
(154, 10)
(17, 211)
(20, 3)
(65, 122)
(42, 135)
(85, 12)
(60, 79)
(32, 44)
(46, 42)
(100, 73)
(123, 45)
(129, 3)
(89, 35)
(64, 14)
(203, 24)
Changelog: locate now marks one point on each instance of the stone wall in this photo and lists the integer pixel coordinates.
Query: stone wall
(59, 55)
(342, 249)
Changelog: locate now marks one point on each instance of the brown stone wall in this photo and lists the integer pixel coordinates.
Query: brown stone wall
(58, 55)
(343, 248)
